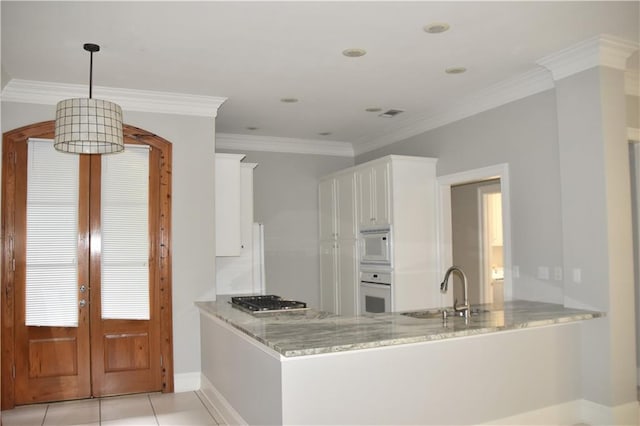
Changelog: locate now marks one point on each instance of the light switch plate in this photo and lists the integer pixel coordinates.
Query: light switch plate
(557, 273)
(577, 275)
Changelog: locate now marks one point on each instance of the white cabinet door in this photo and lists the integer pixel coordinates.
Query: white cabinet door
(328, 276)
(381, 197)
(327, 212)
(228, 204)
(366, 214)
(373, 195)
(348, 277)
(345, 206)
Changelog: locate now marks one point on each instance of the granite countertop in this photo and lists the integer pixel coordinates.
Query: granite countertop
(310, 332)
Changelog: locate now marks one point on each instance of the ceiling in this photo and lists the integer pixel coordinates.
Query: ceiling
(256, 53)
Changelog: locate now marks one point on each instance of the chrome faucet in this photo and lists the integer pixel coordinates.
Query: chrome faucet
(463, 309)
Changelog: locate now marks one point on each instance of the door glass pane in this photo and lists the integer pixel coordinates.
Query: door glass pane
(125, 234)
(52, 236)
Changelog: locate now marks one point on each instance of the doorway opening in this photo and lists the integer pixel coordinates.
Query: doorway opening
(474, 226)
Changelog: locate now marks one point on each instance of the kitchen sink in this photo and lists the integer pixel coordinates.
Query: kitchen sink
(426, 314)
(438, 313)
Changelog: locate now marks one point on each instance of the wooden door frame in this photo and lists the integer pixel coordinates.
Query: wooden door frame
(45, 130)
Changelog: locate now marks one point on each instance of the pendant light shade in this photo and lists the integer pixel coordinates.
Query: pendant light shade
(88, 126)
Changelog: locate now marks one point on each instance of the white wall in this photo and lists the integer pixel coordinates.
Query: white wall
(524, 135)
(285, 188)
(192, 209)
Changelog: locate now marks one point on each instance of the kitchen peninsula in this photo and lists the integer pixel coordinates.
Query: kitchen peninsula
(307, 366)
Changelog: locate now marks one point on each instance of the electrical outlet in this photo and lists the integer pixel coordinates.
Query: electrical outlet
(577, 275)
(543, 272)
(557, 273)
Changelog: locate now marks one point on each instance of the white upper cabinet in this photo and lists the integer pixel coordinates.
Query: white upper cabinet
(327, 212)
(228, 199)
(373, 195)
(346, 206)
(337, 207)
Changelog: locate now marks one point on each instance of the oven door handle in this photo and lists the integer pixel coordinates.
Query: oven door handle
(369, 284)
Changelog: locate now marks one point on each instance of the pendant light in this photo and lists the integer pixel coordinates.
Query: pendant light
(88, 126)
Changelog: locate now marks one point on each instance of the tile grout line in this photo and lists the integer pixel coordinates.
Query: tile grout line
(155, 416)
(215, 419)
(46, 410)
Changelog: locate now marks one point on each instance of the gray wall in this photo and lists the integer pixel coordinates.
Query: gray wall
(633, 111)
(596, 208)
(285, 188)
(193, 211)
(4, 77)
(524, 135)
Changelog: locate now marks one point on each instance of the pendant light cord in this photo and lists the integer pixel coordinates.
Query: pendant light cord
(91, 48)
(90, 74)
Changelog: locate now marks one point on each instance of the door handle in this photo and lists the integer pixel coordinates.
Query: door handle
(82, 303)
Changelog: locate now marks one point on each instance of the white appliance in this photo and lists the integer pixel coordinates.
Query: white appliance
(376, 247)
(243, 274)
(375, 292)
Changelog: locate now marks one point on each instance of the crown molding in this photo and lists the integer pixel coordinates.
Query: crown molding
(512, 89)
(602, 50)
(277, 144)
(632, 83)
(633, 134)
(47, 93)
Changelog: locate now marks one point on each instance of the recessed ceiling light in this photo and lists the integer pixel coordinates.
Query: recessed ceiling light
(455, 70)
(289, 100)
(373, 109)
(354, 53)
(251, 128)
(324, 133)
(436, 27)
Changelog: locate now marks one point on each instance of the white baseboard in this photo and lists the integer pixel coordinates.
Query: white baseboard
(223, 409)
(576, 412)
(598, 414)
(567, 413)
(186, 382)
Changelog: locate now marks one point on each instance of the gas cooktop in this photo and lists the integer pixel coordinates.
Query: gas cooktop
(267, 303)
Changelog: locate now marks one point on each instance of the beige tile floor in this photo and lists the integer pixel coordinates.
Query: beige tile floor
(175, 409)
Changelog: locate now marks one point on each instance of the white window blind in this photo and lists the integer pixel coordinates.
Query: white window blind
(125, 234)
(52, 236)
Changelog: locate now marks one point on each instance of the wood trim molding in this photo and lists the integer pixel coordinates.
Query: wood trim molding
(45, 130)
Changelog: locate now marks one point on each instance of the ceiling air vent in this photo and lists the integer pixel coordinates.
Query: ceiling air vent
(391, 113)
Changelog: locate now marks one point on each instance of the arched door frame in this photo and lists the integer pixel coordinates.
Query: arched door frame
(132, 135)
